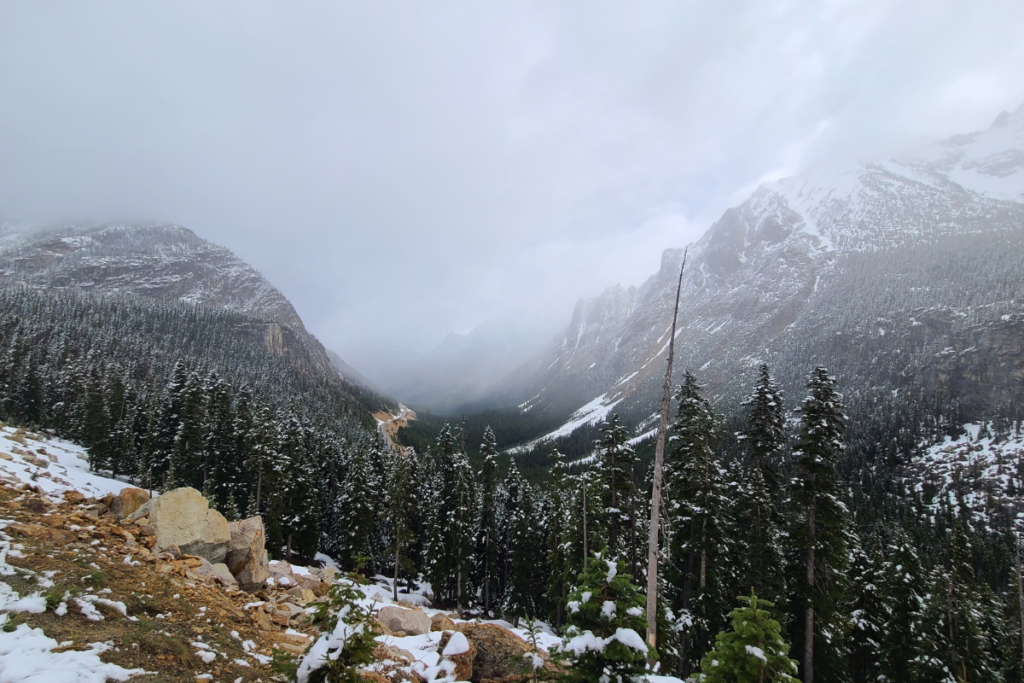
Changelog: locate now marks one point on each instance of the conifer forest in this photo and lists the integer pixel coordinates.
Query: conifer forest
(792, 509)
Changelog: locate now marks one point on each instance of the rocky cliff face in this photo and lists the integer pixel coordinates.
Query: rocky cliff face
(162, 262)
(903, 273)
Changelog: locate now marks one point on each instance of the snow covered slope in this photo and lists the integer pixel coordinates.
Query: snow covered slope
(52, 464)
(160, 262)
(901, 272)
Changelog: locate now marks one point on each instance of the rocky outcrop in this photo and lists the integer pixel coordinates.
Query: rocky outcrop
(499, 652)
(412, 621)
(246, 555)
(183, 518)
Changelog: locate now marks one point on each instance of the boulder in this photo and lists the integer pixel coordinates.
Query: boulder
(499, 652)
(441, 622)
(182, 517)
(246, 555)
(457, 649)
(128, 501)
(412, 621)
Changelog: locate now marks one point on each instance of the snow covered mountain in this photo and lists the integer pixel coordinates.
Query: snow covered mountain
(161, 262)
(902, 273)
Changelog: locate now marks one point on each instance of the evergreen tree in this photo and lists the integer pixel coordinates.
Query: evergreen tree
(867, 617)
(754, 651)
(401, 503)
(701, 529)
(620, 504)
(159, 451)
(558, 545)
(819, 531)
(765, 433)
(462, 528)
(605, 619)
(356, 512)
(525, 586)
(905, 652)
(188, 459)
(223, 483)
(488, 537)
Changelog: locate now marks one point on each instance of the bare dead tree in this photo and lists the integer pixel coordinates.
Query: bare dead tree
(659, 465)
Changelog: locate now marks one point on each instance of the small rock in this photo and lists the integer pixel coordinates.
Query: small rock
(73, 497)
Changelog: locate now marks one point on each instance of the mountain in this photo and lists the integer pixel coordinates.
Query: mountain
(458, 374)
(900, 275)
(349, 373)
(165, 262)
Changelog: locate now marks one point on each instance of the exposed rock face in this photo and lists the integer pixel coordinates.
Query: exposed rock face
(128, 501)
(183, 518)
(246, 555)
(164, 262)
(499, 652)
(898, 275)
(412, 621)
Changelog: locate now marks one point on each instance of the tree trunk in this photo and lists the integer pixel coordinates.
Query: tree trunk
(487, 573)
(1020, 597)
(809, 619)
(398, 545)
(659, 464)
(584, 525)
(259, 485)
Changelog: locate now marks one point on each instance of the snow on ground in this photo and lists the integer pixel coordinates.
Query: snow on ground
(53, 464)
(592, 413)
(979, 467)
(27, 654)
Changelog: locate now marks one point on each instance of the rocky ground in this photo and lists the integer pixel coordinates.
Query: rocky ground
(154, 610)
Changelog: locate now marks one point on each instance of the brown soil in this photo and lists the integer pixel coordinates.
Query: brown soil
(167, 603)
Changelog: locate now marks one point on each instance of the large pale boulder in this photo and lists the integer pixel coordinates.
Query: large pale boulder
(128, 501)
(247, 554)
(412, 621)
(182, 517)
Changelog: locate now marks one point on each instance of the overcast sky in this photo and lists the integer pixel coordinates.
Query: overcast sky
(403, 169)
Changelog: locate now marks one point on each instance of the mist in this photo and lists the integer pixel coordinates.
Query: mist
(405, 170)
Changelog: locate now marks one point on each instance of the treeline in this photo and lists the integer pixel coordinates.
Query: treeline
(872, 577)
(168, 394)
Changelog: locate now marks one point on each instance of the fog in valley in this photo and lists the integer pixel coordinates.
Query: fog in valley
(405, 171)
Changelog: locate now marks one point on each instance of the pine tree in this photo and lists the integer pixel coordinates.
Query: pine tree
(904, 649)
(765, 433)
(620, 506)
(605, 619)
(762, 566)
(867, 617)
(487, 541)
(701, 530)
(462, 528)
(401, 503)
(558, 545)
(160, 449)
(519, 548)
(188, 459)
(957, 622)
(819, 531)
(759, 513)
(754, 651)
(356, 512)
(222, 460)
